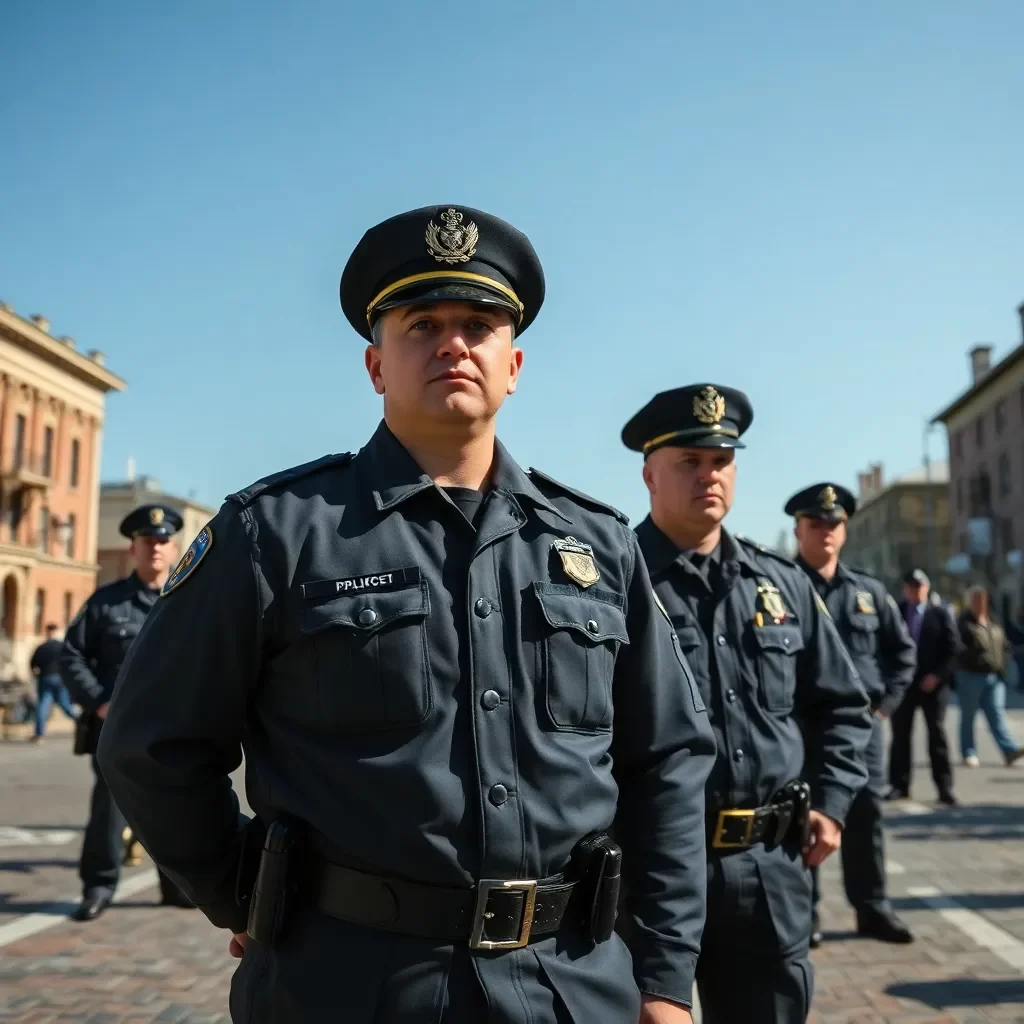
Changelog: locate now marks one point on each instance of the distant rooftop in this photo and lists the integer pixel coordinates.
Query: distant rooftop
(873, 483)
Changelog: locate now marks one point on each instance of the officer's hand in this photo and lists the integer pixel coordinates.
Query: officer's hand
(236, 947)
(881, 713)
(661, 1011)
(826, 835)
(929, 682)
(101, 711)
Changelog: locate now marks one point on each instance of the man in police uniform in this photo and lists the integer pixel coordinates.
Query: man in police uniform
(446, 674)
(95, 646)
(878, 642)
(767, 657)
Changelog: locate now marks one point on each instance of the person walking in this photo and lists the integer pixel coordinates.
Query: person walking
(50, 688)
(934, 633)
(981, 669)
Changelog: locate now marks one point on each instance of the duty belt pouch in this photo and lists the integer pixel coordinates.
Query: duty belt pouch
(270, 894)
(797, 824)
(83, 733)
(254, 833)
(597, 866)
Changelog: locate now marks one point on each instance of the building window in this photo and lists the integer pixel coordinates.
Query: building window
(15, 510)
(979, 432)
(40, 611)
(1007, 530)
(1000, 416)
(1005, 475)
(959, 496)
(958, 444)
(44, 529)
(963, 542)
(47, 450)
(76, 453)
(68, 598)
(19, 441)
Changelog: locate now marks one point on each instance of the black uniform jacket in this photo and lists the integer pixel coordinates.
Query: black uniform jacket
(433, 703)
(872, 627)
(763, 680)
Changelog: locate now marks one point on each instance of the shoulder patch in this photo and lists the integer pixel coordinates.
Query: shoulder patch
(197, 551)
(584, 499)
(762, 550)
(249, 494)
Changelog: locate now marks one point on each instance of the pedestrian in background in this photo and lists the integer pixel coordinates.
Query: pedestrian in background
(981, 672)
(875, 634)
(933, 631)
(50, 688)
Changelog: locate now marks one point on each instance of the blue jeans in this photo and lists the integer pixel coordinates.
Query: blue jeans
(987, 691)
(51, 690)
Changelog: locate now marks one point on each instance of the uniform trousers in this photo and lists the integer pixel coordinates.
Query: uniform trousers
(754, 965)
(934, 705)
(322, 970)
(863, 848)
(103, 847)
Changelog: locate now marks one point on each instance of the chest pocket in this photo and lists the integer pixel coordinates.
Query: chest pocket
(581, 639)
(117, 638)
(777, 650)
(863, 633)
(371, 663)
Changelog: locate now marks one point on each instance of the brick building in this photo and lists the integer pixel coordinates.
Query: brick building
(51, 422)
(902, 524)
(985, 428)
(117, 499)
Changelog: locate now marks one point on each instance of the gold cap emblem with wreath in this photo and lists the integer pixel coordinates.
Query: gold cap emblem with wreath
(708, 405)
(452, 243)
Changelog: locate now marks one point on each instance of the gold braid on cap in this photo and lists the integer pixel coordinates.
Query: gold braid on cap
(716, 428)
(445, 275)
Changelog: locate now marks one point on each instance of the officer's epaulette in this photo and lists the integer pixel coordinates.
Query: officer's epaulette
(762, 550)
(286, 476)
(858, 571)
(584, 499)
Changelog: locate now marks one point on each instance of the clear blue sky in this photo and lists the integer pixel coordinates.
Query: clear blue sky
(820, 204)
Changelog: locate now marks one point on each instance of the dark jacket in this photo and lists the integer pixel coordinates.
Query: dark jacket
(434, 703)
(46, 659)
(938, 643)
(984, 648)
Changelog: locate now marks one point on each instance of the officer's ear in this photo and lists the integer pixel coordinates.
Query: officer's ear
(372, 359)
(648, 476)
(515, 366)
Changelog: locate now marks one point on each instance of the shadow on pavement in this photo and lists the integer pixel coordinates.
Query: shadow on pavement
(969, 992)
(969, 900)
(972, 821)
(25, 867)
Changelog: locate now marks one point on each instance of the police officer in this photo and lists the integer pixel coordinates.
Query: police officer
(878, 642)
(446, 673)
(767, 656)
(94, 648)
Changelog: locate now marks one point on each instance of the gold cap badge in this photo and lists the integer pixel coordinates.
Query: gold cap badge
(156, 516)
(453, 243)
(577, 561)
(828, 498)
(708, 405)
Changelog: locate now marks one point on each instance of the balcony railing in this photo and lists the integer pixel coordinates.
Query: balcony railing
(27, 469)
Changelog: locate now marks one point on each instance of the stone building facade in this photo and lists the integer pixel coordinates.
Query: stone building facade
(51, 426)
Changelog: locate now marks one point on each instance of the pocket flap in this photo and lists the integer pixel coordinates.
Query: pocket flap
(690, 637)
(865, 623)
(367, 612)
(594, 615)
(787, 639)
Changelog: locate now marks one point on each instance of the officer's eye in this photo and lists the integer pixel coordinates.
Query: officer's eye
(420, 325)
(479, 326)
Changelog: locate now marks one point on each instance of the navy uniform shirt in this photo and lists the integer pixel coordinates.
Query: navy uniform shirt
(435, 701)
(762, 681)
(97, 641)
(873, 630)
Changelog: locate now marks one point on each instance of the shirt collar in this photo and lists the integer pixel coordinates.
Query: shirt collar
(396, 476)
(660, 552)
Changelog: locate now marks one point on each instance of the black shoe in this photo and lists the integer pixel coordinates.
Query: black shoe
(896, 794)
(882, 925)
(93, 904)
(947, 799)
(816, 937)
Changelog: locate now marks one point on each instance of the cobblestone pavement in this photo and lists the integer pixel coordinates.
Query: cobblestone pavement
(145, 964)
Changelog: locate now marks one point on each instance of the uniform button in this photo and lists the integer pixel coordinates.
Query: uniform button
(721, 640)
(738, 755)
(499, 794)
(730, 696)
(367, 617)
(490, 699)
(785, 641)
(592, 626)
(482, 607)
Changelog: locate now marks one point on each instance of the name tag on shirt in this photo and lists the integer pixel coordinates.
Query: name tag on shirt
(376, 582)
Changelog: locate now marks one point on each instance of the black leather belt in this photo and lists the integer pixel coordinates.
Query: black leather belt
(743, 828)
(495, 914)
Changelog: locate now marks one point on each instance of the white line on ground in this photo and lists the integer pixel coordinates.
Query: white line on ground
(913, 807)
(31, 924)
(973, 925)
(893, 867)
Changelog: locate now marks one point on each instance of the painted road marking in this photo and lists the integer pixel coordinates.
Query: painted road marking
(10, 835)
(973, 925)
(55, 913)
